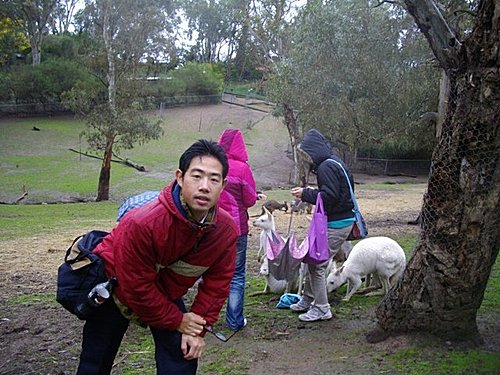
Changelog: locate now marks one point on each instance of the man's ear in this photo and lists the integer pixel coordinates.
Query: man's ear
(178, 177)
(224, 183)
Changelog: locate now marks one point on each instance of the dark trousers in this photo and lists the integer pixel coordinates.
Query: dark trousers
(103, 334)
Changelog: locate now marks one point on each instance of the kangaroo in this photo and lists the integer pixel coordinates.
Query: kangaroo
(274, 205)
(375, 255)
(300, 207)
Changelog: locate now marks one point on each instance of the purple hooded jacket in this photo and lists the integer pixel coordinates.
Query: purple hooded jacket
(240, 192)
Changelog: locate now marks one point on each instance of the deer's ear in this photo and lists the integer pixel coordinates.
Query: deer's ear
(267, 211)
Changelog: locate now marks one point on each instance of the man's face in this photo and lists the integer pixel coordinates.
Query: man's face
(201, 184)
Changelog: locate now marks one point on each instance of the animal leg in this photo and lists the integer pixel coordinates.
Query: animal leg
(266, 290)
(303, 274)
(385, 287)
(352, 287)
(395, 278)
(372, 283)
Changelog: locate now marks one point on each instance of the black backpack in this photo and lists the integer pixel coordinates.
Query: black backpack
(81, 271)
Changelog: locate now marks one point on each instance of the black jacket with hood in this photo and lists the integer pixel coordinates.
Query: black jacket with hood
(331, 179)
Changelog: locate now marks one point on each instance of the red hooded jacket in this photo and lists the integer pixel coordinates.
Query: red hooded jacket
(157, 254)
(240, 192)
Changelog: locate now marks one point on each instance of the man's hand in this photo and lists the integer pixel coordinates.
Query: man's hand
(192, 347)
(192, 324)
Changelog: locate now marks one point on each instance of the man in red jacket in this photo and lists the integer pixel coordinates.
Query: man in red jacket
(157, 252)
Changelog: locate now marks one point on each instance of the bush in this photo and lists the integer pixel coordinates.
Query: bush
(398, 149)
(45, 82)
(191, 80)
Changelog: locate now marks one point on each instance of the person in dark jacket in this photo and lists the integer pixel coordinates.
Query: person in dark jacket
(334, 189)
(157, 252)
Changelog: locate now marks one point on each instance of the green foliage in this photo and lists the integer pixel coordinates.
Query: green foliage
(44, 82)
(191, 83)
(126, 127)
(5, 84)
(349, 75)
(12, 40)
(251, 89)
(61, 46)
(197, 79)
(402, 147)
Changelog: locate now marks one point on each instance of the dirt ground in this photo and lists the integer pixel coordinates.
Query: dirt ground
(40, 337)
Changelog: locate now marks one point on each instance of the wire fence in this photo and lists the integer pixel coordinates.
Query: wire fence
(51, 108)
(392, 166)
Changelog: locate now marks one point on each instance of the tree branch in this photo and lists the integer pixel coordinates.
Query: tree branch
(126, 162)
(441, 38)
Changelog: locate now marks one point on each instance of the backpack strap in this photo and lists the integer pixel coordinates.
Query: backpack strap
(83, 245)
(353, 197)
(74, 251)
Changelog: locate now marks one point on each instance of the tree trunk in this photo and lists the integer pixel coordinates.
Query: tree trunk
(444, 283)
(444, 93)
(35, 52)
(299, 172)
(105, 174)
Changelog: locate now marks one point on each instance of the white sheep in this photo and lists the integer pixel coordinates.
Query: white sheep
(375, 255)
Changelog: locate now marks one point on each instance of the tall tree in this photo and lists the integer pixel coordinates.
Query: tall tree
(270, 24)
(124, 33)
(62, 16)
(211, 26)
(34, 15)
(357, 95)
(445, 280)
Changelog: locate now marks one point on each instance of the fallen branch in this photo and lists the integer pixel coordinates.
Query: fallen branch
(126, 162)
(25, 194)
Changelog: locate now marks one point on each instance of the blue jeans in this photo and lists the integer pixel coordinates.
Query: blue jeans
(102, 336)
(236, 300)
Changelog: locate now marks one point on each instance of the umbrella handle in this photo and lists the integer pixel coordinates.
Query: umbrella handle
(290, 223)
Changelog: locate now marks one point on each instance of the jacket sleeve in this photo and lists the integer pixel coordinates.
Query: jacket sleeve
(135, 266)
(309, 195)
(213, 289)
(248, 188)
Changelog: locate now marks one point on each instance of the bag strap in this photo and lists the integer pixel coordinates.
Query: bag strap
(68, 252)
(319, 208)
(353, 197)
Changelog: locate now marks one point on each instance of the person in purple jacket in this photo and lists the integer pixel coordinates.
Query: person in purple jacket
(237, 197)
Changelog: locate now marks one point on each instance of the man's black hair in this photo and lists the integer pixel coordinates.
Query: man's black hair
(200, 148)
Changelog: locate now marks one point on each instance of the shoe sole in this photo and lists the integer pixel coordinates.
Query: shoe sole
(315, 320)
(300, 311)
